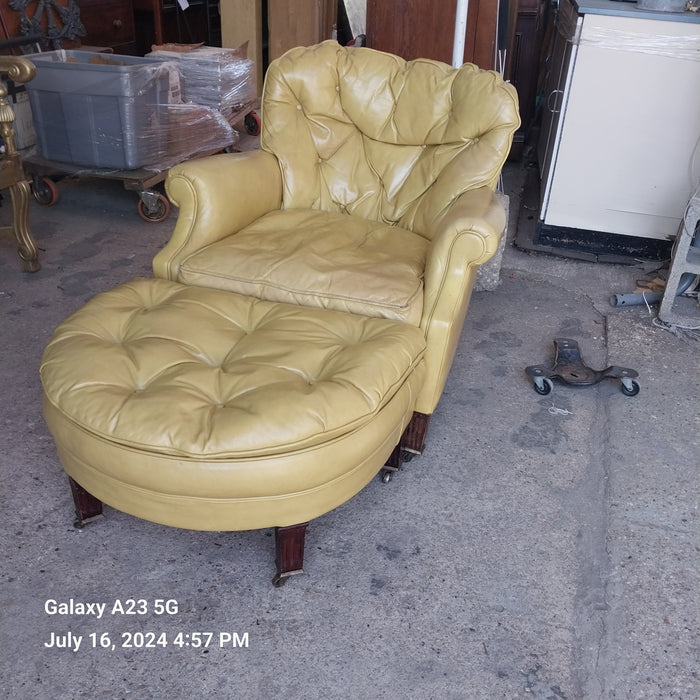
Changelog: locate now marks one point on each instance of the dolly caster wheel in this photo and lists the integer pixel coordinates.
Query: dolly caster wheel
(543, 385)
(629, 387)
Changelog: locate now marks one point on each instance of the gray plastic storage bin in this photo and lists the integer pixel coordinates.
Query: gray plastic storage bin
(100, 110)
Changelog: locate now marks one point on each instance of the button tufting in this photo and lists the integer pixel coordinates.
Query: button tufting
(296, 351)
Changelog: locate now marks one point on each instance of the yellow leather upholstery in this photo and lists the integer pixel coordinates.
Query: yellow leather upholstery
(373, 193)
(283, 254)
(366, 133)
(203, 409)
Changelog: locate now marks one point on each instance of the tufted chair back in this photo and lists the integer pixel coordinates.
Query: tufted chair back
(369, 134)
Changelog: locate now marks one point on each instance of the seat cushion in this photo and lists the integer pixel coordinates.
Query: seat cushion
(320, 259)
(186, 371)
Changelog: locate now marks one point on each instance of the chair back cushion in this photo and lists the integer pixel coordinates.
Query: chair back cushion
(363, 132)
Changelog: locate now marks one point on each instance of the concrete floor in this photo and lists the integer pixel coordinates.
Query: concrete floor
(542, 547)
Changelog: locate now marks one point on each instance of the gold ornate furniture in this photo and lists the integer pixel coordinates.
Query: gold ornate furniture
(373, 193)
(12, 176)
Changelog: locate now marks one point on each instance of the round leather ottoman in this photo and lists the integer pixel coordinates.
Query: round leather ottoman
(204, 409)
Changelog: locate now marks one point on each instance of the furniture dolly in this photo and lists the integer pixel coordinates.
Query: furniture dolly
(569, 368)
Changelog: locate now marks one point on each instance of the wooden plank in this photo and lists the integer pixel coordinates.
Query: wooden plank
(299, 23)
(425, 29)
(412, 28)
(482, 30)
(241, 21)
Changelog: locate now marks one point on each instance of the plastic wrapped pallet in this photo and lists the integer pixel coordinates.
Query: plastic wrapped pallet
(223, 79)
(109, 111)
(193, 130)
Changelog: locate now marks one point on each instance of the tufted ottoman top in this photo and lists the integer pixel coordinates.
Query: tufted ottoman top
(195, 372)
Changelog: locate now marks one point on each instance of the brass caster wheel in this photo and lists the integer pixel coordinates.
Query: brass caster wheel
(408, 455)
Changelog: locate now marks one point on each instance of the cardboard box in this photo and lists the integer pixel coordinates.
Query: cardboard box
(25, 136)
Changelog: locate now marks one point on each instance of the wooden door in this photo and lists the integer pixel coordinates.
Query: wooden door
(425, 29)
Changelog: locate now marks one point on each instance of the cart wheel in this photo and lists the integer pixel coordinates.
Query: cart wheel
(631, 389)
(544, 386)
(44, 191)
(155, 214)
(252, 123)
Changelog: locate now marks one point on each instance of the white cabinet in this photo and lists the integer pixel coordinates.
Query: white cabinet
(620, 142)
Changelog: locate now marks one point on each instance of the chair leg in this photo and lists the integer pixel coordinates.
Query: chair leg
(413, 439)
(289, 546)
(28, 252)
(87, 507)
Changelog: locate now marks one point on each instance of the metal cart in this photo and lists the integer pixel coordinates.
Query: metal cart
(152, 205)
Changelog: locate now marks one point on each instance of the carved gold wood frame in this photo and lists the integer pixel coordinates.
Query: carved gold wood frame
(12, 176)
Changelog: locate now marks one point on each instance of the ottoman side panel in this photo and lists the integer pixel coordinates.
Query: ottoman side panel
(278, 490)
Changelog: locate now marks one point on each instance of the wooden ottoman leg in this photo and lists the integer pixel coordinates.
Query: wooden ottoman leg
(87, 507)
(411, 444)
(413, 439)
(289, 546)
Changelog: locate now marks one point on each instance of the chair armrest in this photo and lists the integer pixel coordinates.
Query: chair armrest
(217, 197)
(19, 69)
(464, 237)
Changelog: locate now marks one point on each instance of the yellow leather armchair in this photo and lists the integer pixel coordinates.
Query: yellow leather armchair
(373, 193)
